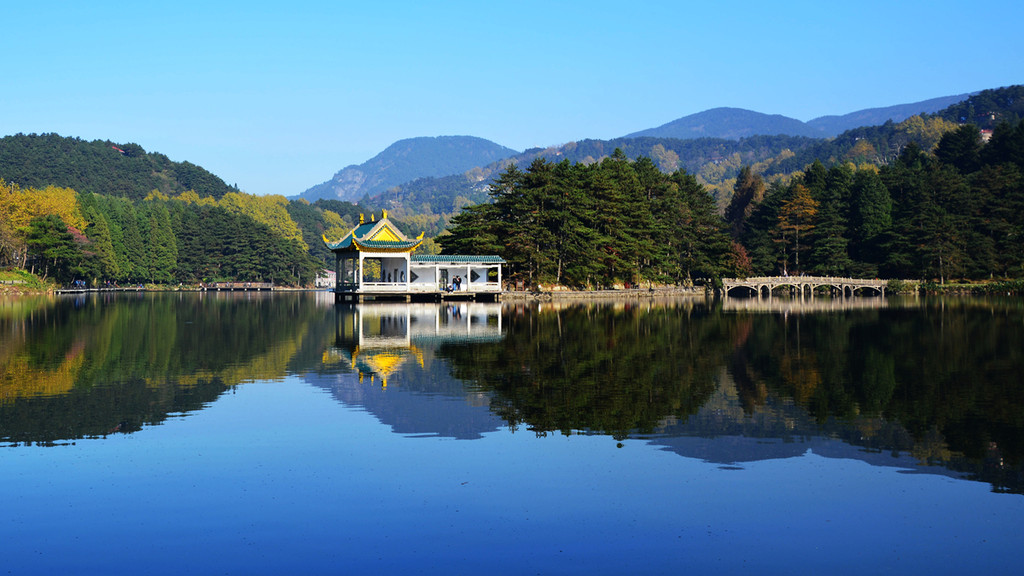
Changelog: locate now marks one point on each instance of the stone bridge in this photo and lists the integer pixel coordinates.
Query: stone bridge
(803, 285)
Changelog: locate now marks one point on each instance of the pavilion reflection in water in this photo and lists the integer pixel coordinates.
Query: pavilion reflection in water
(376, 340)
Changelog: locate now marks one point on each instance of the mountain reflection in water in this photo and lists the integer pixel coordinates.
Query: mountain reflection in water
(931, 385)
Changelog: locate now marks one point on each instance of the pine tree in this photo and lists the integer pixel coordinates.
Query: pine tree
(829, 253)
(98, 232)
(161, 246)
(767, 255)
(870, 220)
(574, 242)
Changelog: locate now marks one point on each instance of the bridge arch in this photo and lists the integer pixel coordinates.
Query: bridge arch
(803, 285)
(744, 290)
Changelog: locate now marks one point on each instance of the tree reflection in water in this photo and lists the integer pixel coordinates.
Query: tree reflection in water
(934, 379)
(938, 380)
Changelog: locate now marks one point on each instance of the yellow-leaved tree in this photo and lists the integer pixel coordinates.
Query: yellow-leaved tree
(191, 197)
(926, 131)
(270, 210)
(797, 215)
(336, 227)
(18, 206)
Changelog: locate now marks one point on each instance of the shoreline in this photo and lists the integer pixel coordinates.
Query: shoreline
(636, 293)
(1004, 288)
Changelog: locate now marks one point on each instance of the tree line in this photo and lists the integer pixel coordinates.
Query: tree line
(596, 225)
(60, 234)
(954, 213)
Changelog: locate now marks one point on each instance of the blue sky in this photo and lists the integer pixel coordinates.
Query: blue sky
(277, 96)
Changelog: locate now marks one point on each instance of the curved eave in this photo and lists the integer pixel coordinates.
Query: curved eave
(381, 246)
(343, 243)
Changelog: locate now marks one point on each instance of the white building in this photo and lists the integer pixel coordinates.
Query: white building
(374, 261)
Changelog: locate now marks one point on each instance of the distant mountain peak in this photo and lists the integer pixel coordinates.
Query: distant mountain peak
(406, 160)
(736, 123)
(728, 123)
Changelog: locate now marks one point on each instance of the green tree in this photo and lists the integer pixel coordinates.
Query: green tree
(1006, 145)
(105, 264)
(961, 148)
(691, 233)
(870, 220)
(760, 238)
(161, 245)
(52, 247)
(830, 251)
(472, 231)
(574, 241)
(1000, 189)
(135, 251)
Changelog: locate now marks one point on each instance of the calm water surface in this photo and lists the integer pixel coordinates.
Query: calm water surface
(268, 434)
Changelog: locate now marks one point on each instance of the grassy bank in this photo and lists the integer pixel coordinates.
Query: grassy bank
(22, 282)
(992, 288)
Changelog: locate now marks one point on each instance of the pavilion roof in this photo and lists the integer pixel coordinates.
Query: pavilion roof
(377, 236)
(456, 259)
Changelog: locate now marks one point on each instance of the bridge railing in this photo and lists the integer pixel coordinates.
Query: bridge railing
(756, 283)
(803, 280)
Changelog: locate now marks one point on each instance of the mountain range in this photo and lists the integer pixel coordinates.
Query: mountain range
(736, 123)
(417, 158)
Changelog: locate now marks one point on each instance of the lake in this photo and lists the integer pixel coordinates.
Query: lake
(244, 433)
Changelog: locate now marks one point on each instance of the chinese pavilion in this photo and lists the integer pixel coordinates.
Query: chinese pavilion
(375, 261)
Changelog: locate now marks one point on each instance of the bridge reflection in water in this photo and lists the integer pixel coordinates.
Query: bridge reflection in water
(804, 285)
(802, 305)
(377, 339)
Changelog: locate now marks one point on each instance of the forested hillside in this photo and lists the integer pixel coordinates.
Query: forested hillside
(957, 213)
(104, 212)
(101, 167)
(833, 125)
(714, 162)
(988, 108)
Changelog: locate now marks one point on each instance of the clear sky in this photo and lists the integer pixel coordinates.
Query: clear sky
(277, 96)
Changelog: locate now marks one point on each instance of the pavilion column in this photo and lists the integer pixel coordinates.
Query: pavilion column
(337, 270)
(359, 272)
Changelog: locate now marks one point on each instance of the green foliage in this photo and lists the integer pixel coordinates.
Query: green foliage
(215, 244)
(166, 242)
(102, 167)
(597, 225)
(954, 214)
(161, 246)
(622, 370)
(20, 280)
(52, 249)
(989, 108)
